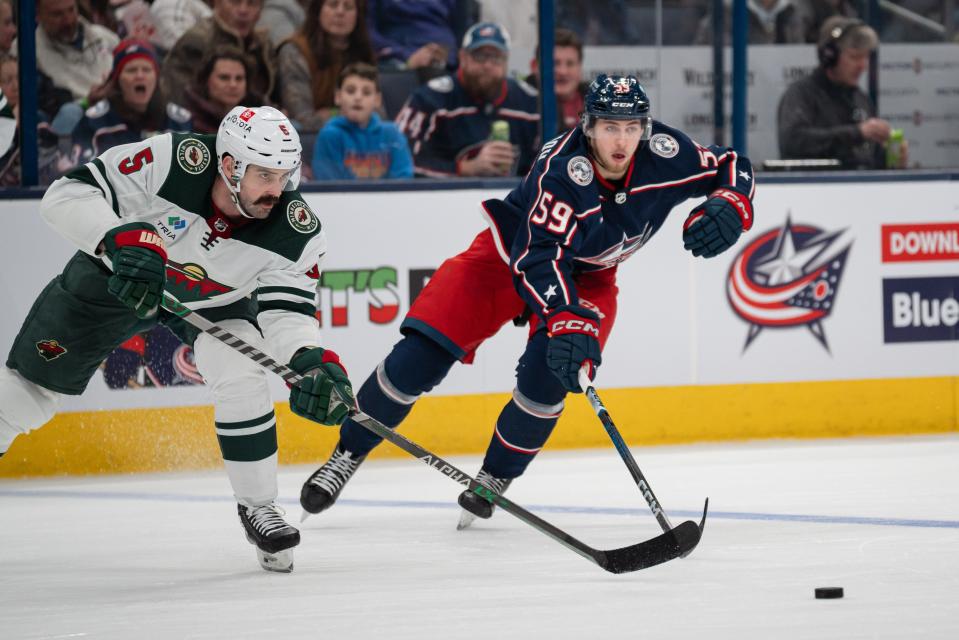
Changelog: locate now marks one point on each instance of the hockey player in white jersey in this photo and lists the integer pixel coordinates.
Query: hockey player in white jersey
(217, 223)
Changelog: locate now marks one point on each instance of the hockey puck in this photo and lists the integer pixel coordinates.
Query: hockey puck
(828, 593)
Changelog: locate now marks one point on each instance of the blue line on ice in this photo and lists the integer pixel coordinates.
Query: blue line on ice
(419, 504)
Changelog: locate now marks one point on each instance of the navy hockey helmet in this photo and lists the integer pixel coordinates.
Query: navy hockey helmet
(616, 98)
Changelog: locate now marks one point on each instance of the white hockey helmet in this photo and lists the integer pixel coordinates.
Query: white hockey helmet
(260, 136)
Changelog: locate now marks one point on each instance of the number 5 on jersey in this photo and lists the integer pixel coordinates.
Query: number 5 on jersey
(136, 162)
(558, 213)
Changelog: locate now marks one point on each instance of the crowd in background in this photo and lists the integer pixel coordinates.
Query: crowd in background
(376, 88)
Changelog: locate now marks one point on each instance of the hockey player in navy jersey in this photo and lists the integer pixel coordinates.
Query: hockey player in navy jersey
(594, 196)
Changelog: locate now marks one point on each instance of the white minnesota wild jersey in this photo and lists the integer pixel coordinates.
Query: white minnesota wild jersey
(167, 181)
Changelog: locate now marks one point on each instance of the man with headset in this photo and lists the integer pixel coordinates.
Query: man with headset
(827, 114)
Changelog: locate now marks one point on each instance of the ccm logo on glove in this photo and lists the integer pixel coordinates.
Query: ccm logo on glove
(568, 323)
(743, 206)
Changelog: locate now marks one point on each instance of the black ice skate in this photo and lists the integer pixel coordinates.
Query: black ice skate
(322, 488)
(476, 507)
(272, 536)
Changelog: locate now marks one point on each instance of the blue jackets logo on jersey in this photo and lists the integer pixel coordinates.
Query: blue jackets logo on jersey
(787, 277)
(664, 145)
(580, 170)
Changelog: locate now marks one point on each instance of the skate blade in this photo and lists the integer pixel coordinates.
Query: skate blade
(279, 562)
(306, 514)
(466, 519)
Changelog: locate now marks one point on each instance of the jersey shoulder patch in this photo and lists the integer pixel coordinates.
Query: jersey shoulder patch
(664, 145)
(300, 217)
(288, 230)
(192, 171)
(442, 84)
(580, 170)
(178, 114)
(98, 110)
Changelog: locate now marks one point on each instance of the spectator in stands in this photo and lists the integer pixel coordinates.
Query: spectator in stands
(281, 18)
(10, 81)
(567, 77)
(134, 108)
(9, 119)
(449, 121)
(333, 36)
(173, 18)
(219, 86)
(770, 22)
(357, 144)
(812, 13)
(413, 35)
(8, 28)
(233, 23)
(75, 54)
(827, 115)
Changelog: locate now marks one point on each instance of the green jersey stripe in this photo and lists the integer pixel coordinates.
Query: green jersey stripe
(243, 424)
(308, 309)
(293, 291)
(251, 448)
(99, 172)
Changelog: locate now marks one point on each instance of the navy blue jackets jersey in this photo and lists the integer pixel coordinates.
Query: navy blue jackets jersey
(565, 218)
(103, 127)
(444, 124)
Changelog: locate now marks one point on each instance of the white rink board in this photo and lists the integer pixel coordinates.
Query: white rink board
(675, 325)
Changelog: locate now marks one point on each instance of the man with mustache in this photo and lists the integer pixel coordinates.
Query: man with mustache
(449, 122)
(74, 53)
(217, 222)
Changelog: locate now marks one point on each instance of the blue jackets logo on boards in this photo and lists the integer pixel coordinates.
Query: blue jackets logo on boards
(788, 277)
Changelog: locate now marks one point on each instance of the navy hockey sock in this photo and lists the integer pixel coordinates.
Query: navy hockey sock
(414, 366)
(526, 422)
(521, 431)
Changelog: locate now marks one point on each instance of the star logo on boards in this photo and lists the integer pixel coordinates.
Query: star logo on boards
(788, 277)
(550, 292)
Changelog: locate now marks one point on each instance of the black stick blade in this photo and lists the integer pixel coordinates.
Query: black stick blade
(677, 542)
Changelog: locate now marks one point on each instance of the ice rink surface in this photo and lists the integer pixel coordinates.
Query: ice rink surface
(163, 556)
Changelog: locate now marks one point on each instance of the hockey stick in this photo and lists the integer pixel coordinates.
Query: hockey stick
(687, 534)
(632, 558)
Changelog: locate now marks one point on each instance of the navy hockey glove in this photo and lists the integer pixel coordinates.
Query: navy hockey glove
(325, 394)
(717, 223)
(573, 341)
(139, 266)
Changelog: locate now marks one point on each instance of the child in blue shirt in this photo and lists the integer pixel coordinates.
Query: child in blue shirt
(357, 143)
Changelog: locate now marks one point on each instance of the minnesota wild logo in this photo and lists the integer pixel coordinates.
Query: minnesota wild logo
(193, 156)
(50, 349)
(300, 217)
(189, 282)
